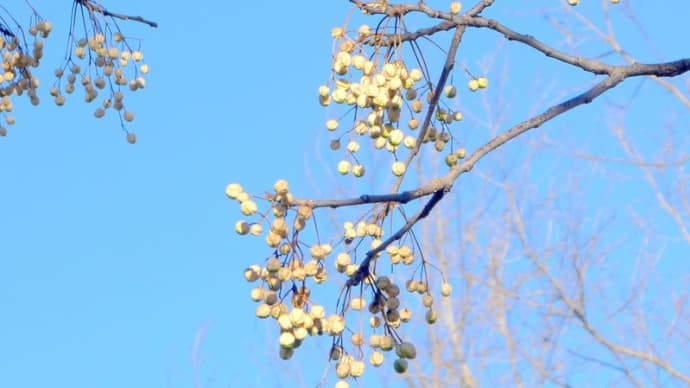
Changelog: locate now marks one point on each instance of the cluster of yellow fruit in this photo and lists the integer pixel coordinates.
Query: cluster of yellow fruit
(382, 92)
(17, 60)
(106, 58)
(286, 279)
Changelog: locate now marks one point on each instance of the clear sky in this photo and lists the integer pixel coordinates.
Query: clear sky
(115, 260)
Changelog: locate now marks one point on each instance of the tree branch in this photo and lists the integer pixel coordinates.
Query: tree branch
(95, 7)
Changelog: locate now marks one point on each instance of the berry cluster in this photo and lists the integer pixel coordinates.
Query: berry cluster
(104, 63)
(285, 280)
(389, 100)
(18, 58)
(101, 61)
(388, 103)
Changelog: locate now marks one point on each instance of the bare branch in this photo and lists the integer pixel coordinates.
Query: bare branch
(92, 6)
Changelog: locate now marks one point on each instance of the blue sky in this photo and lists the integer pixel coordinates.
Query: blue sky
(114, 258)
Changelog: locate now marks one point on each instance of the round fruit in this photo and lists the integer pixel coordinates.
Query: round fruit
(400, 365)
(398, 168)
(455, 7)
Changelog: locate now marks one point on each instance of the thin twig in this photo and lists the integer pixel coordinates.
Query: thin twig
(95, 7)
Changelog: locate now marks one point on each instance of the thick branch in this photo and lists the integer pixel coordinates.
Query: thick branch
(451, 21)
(363, 270)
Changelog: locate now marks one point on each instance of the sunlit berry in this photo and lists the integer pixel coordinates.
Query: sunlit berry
(255, 229)
(358, 170)
(263, 311)
(376, 359)
(446, 289)
(248, 208)
(344, 167)
(455, 7)
(473, 85)
(337, 33)
(356, 368)
(415, 74)
(398, 168)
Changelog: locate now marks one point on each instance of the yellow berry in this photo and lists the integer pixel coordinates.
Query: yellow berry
(473, 85)
(398, 168)
(446, 289)
(376, 359)
(257, 294)
(233, 190)
(358, 170)
(482, 82)
(415, 74)
(358, 304)
(287, 339)
(352, 146)
(356, 369)
(248, 208)
(263, 311)
(395, 137)
(450, 91)
(573, 2)
(281, 187)
(255, 229)
(344, 167)
(252, 273)
(304, 212)
(455, 7)
(337, 33)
